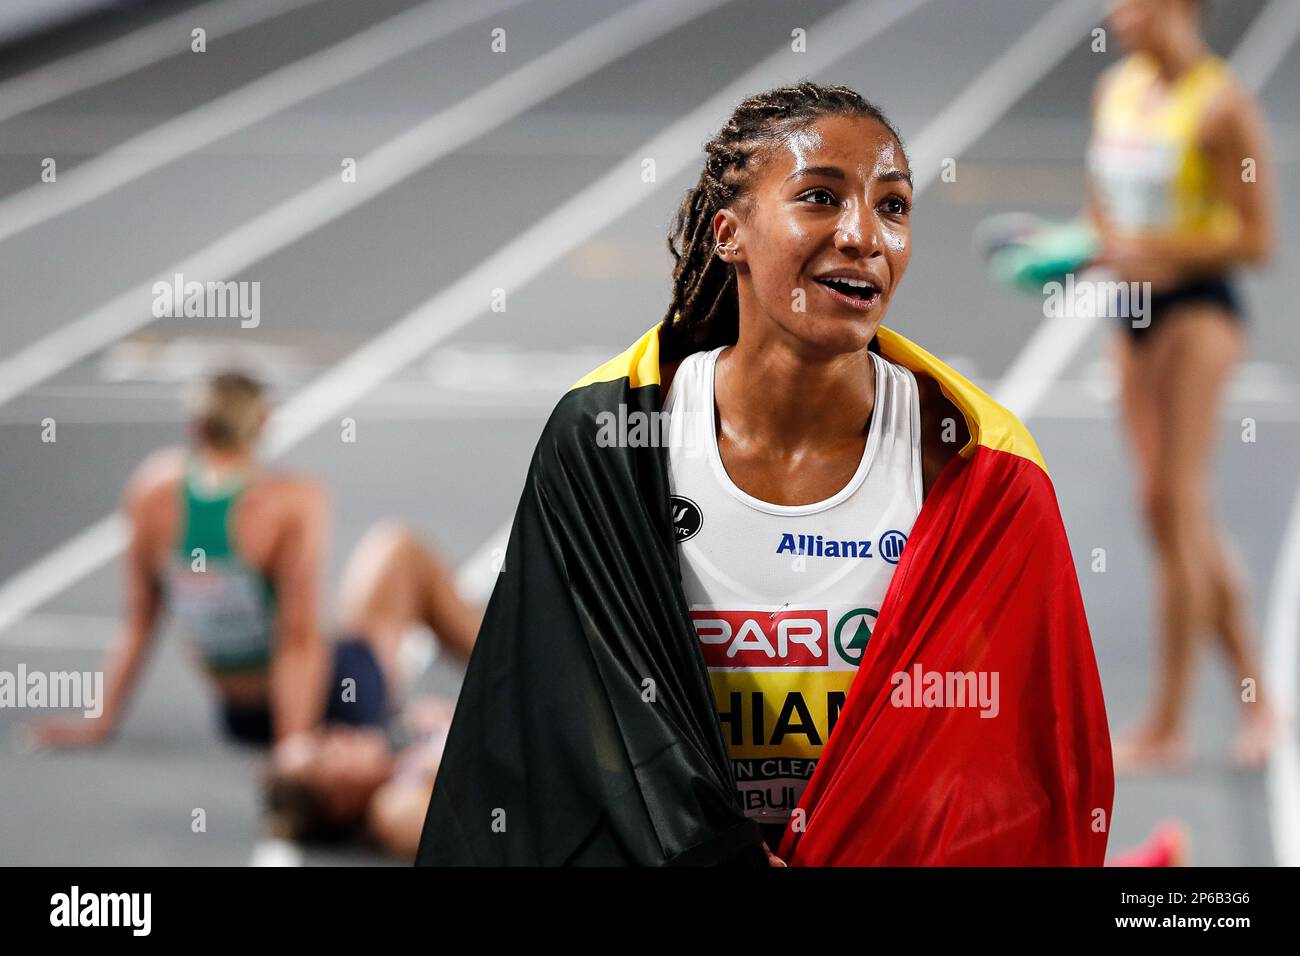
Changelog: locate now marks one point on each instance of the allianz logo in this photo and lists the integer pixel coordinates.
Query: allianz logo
(889, 546)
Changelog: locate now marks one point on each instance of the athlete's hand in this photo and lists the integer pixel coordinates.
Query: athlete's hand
(70, 732)
(1132, 261)
(772, 858)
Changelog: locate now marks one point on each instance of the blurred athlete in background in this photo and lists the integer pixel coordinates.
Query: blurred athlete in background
(1180, 194)
(236, 553)
(340, 781)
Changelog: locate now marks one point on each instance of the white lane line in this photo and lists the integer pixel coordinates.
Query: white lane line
(1054, 343)
(66, 632)
(133, 51)
(1001, 84)
(600, 44)
(1282, 667)
(1049, 350)
(70, 561)
(241, 108)
(1260, 50)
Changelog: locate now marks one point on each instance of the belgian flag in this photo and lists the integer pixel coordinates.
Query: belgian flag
(586, 731)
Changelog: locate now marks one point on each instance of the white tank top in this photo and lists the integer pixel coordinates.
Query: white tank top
(784, 597)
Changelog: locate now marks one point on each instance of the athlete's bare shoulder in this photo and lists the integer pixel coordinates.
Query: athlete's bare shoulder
(1104, 80)
(152, 493)
(159, 474)
(1230, 111)
(296, 492)
(278, 508)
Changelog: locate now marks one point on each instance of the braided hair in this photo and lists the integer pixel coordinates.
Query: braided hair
(705, 312)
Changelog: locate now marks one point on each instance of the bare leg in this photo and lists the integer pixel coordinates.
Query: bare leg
(1139, 399)
(1234, 629)
(1219, 344)
(1190, 362)
(394, 581)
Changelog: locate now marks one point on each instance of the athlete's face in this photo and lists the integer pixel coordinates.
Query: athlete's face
(832, 200)
(343, 766)
(1138, 23)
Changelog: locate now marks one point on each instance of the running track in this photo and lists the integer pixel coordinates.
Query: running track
(535, 189)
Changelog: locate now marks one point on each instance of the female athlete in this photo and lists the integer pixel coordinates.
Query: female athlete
(663, 675)
(235, 552)
(1180, 194)
(792, 245)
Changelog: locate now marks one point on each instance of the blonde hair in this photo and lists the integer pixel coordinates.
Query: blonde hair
(229, 410)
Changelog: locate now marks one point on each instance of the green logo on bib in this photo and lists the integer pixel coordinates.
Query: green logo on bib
(852, 634)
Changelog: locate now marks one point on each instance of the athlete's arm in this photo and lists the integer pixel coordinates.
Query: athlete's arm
(1236, 139)
(1092, 209)
(772, 858)
(666, 372)
(943, 431)
(131, 646)
(298, 664)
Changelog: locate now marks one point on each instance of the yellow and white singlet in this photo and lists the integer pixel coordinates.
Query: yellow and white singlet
(1149, 171)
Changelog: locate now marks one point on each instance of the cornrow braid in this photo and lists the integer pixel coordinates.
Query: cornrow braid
(705, 312)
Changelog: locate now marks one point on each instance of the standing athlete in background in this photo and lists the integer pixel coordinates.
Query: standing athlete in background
(1180, 194)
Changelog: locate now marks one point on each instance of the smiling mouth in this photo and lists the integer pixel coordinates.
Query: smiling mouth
(860, 294)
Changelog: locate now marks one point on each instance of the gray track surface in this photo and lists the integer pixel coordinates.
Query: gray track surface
(449, 459)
